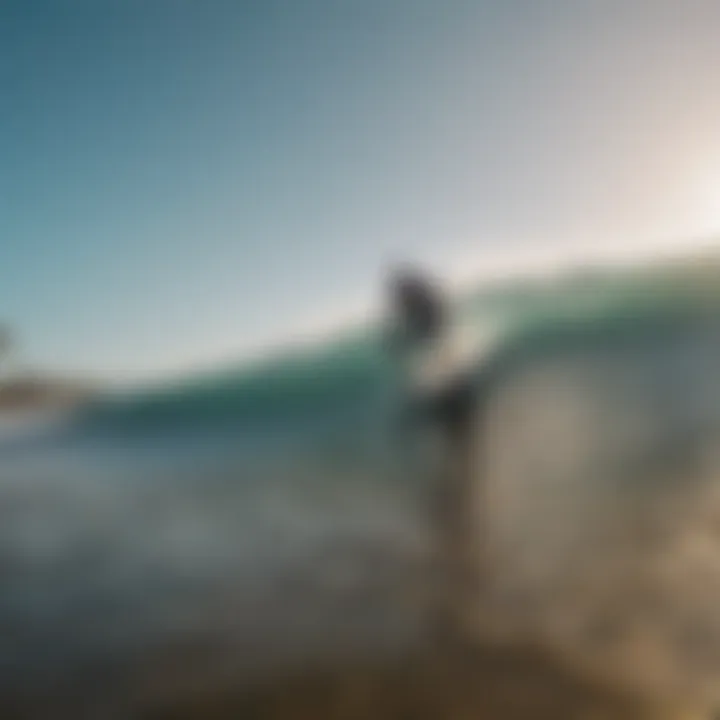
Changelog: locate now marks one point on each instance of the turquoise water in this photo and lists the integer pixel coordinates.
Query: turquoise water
(193, 513)
(267, 506)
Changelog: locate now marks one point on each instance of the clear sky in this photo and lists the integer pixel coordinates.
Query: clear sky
(182, 180)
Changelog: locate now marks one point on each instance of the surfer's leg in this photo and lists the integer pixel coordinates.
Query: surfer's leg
(452, 413)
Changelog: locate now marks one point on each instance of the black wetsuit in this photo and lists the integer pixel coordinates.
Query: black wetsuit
(453, 407)
(424, 318)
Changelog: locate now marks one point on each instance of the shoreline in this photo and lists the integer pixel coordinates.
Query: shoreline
(20, 395)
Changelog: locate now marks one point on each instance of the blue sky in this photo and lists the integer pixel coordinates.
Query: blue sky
(184, 180)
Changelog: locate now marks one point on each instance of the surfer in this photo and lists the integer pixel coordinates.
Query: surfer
(440, 366)
(433, 354)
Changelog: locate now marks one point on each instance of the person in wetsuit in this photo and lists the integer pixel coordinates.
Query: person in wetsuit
(442, 396)
(440, 393)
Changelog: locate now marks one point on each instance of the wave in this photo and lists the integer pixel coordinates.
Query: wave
(346, 378)
(342, 376)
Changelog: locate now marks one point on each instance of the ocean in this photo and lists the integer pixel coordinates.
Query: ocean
(238, 512)
(265, 516)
